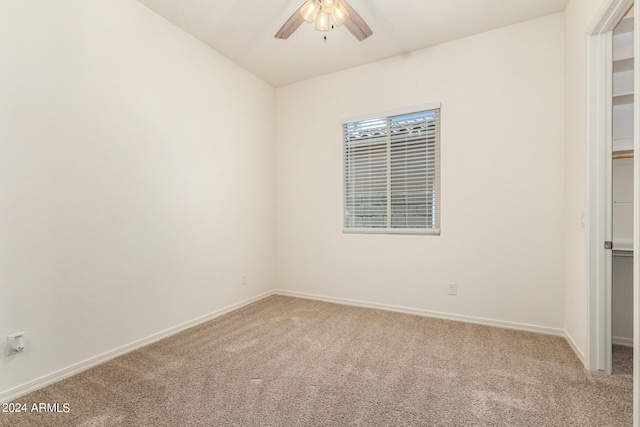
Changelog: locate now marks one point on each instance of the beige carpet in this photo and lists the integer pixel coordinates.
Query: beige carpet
(286, 361)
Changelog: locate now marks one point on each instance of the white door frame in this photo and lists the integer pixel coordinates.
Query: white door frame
(599, 179)
(599, 161)
(636, 217)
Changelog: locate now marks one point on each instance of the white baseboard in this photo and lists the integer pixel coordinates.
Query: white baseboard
(575, 349)
(627, 342)
(76, 368)
(428, 313)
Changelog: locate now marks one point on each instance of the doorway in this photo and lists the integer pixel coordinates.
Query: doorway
(601, 240)
(599, 176)
(622, 195)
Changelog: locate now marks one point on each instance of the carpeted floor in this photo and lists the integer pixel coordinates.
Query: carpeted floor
(293, 362)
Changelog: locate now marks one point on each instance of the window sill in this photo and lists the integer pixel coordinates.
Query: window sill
(416, 231)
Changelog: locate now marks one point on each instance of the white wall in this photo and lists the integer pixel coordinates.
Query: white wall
(579, 16)
(132, 192)
(502, 95)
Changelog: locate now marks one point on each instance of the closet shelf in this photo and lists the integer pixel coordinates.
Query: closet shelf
(623, 245)
(622, 253)
(623, 65)
(625, 26)
(623, 99)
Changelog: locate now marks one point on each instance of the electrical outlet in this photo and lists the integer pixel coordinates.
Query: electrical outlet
(243, 279)
(453, 288)
(15, 344)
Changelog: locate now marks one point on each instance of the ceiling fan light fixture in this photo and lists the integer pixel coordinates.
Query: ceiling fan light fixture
(329, 5)
(310, 10)
(322, 21)
(323, 12)
(340, 14)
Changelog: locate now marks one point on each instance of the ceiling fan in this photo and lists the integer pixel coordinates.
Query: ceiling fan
(322, 11)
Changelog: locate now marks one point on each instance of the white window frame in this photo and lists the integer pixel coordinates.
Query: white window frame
(388, 229)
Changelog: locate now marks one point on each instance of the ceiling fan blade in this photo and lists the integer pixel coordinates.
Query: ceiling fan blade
(355, 23)
(291, 25)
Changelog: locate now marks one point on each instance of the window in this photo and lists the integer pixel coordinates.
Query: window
(392, 172)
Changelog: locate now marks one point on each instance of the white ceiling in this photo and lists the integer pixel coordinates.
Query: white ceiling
(243, 30)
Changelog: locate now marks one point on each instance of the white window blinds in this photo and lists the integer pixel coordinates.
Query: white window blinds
(392, 173)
